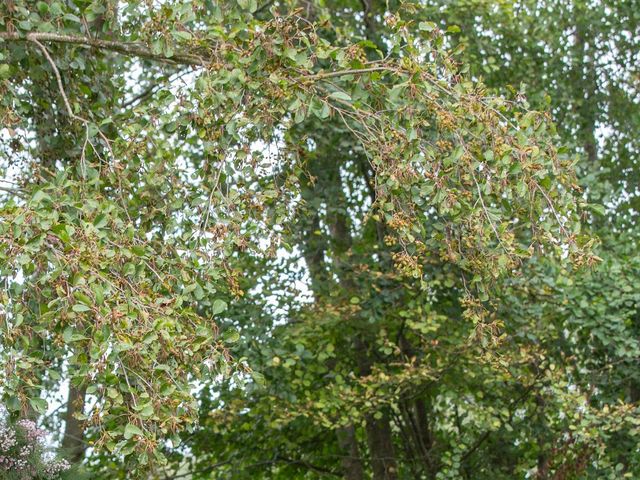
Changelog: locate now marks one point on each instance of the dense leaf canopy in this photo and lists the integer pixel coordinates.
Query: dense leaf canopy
(325, 238)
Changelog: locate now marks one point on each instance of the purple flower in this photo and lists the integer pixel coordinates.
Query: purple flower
(22, 452)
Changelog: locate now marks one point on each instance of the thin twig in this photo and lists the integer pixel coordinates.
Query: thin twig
(34, 39)
(126, 378)
(14, 191)
(555, 214)
(486, 212)
(342, 73)
(56, 72)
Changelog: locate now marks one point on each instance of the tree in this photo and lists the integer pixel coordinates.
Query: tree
(155, 240)
(522, 426)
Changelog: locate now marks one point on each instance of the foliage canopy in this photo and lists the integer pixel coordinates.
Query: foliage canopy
(255, 239)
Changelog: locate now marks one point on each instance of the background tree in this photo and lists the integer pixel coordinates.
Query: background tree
(314, 230)
(452, 426)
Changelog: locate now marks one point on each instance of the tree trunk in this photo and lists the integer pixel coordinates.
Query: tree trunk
(351, 461)
(543, 456)
(73, 442)
(586, 91)
(314, 247)
(379, 434)
(380, 441)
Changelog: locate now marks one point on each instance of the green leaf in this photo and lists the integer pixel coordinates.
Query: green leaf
(72, 17)
(251, 5)
(131, 430)
(25, 25)
(40, 196)
(38, 404)
(300, 116)
(83, 298)
(598, 209)
(98, 291)
(218, 306)
(258, 378)
(100, 221)
(43, 8)
(13, 404)
(340, 96)
(231, 336)
(427, 26)
(181, 35)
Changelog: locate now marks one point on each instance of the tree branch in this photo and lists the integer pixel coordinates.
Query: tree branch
(153, 88)
(56, 72)
(512, 411)
(140, 50)
(134, 49)
(34, 38)
(15, 191)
